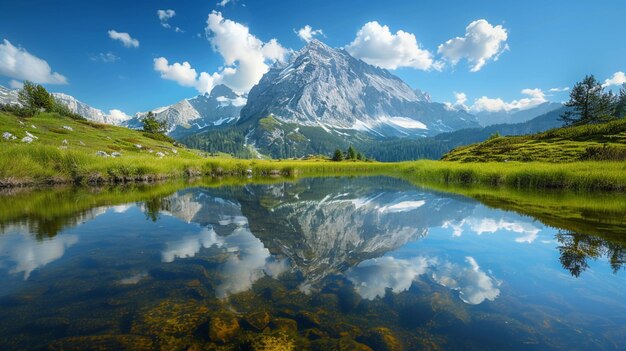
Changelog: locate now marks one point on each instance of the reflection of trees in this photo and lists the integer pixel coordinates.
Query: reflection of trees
(152, 208)
(577, 248)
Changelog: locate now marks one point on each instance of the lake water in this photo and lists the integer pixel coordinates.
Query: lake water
(322, 264)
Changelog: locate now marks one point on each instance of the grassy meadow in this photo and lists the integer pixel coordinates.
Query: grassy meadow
(65, 151)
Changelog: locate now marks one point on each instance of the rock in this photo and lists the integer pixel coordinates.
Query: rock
(160, 154)
(103, 342)
(27, 140)
(285, 324)
(258, 320)
(116, 154)
(31, 136)
(308, 319)
(101, 153)
(175, 151)
(81, 143)
(68, 128)
(272, 342)
(381, 339)
(150, 151)
(64, 142)
(223, 327)
(8, 136)
(33, 126)
(171, 318)
(347, 344)
(138, 146)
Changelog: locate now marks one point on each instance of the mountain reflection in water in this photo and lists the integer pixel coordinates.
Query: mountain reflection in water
(334, 263)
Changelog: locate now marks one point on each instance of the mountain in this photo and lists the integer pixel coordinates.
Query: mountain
(8, 96)
(435, 147)
(328, 88)
(220, 108)
(486, 118)
(323, 99)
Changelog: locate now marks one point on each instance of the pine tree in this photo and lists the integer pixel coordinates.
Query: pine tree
(36, 97)
(620, 105)
(351, 153)
(589, 103)
(338, 156)
(152, 125)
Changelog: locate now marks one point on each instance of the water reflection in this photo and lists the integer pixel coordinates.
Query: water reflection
(330, 263)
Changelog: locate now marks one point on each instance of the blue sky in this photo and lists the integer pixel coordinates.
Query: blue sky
(549, 44)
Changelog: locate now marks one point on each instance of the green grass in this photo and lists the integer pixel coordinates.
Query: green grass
(605, 141)
(48, 160)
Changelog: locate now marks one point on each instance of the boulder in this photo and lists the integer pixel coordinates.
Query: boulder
(8, 136)
(64, 142)
(68, 128)
(101, 153)
(27, 140)
(116, 154)
(160, 154)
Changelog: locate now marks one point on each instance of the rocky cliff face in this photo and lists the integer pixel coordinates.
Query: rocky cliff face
(328, 88)
(218, 109)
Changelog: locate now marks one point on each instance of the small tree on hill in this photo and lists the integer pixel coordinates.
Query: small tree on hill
(152, 125)
(351, 153)
(589, 103)
(620, 105)
(36, 97)
(359, 156)
(338, 155)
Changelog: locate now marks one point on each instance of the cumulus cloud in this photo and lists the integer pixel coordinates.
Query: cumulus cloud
(558, 90)
(106, 57)
(246, 58)
(164, 16)
(527, 232)
(481, 43)
(24, 254)
(185, 75)
(535, 97)
(223, 3)
(376, 45)
(116, 116)
(373, 277)
(307, 33)
(459, 103)
(125, 38)
(618, 78)
(20, 64)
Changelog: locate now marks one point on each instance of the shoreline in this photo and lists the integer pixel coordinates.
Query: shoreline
(575, 176)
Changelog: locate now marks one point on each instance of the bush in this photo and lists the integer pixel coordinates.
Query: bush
(604, 153)
(18, 110)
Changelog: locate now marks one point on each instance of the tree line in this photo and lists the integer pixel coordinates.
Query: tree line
(591, 103)
(33, 99)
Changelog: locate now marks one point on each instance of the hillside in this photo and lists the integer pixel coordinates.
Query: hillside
(435, 147)
(597, 142)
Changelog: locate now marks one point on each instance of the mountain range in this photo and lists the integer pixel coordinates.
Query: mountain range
(320, 100)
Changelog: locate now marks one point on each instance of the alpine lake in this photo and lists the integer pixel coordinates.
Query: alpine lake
(336, 263)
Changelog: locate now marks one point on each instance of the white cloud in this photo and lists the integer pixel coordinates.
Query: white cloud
(20, 64)
(307, 33)
(25, 254)
(125, 38)
(246, 58)
(528, 232)
(116, 116)
(558, 90)
(223, 3)
(371, 278)
(618, 78)
(482, 42)
(164, 16)
(535, 97)
(376, 45)
(106, 57)
(185, 75)
(459, 103)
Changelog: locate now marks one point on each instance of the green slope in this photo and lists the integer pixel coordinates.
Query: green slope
(598, 142)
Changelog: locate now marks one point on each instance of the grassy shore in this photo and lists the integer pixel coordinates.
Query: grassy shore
(65, 152)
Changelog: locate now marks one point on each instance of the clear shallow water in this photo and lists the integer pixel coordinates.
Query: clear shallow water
(335, 263)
